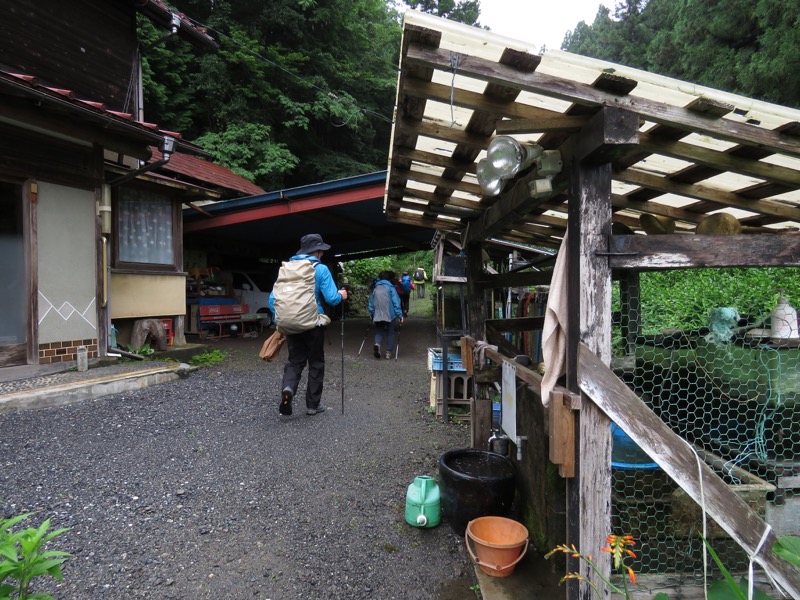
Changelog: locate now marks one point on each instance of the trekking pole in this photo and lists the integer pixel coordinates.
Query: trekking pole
(369, 326)
(397, 344)
(342, 303)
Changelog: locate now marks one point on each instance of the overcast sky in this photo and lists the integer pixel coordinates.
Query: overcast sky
(538, 22)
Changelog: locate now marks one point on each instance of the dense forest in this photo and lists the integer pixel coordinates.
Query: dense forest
(749, 47)
(302, 91)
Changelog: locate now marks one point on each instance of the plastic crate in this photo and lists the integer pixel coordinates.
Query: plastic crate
(435, 360)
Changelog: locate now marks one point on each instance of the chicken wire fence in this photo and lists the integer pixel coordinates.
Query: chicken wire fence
(732, 390)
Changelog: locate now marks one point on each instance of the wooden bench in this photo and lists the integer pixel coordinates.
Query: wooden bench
(225, 314)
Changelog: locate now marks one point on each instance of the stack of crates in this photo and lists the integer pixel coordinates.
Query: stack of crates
(460, 384)
(169, 334)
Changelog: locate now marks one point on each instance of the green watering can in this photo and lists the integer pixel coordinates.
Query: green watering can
(422, 503)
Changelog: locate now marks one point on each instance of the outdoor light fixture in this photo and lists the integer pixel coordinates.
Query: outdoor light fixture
(491, 184)
(167, 146)
(505, 157)
(508, 157)
(548, 165)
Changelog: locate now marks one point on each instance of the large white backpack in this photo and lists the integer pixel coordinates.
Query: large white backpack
(295, 303)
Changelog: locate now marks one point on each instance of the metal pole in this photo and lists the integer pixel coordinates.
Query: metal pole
(369, 326)
(397, 343)
(342, 303)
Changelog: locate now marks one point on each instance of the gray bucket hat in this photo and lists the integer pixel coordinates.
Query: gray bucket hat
(311, 243)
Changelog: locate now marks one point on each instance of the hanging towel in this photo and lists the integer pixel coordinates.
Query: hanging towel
(554, 332)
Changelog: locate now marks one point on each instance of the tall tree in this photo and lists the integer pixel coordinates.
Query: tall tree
(750, 47)
(299, 91)
(462, 11)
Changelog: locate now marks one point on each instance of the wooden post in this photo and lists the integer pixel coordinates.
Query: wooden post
(589, 288)
(481, 417)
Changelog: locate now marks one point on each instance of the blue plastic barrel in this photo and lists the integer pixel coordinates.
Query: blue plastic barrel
(626, 454)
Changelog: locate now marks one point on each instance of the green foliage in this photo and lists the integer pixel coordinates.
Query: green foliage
(247, 150)
(145, 350)
(208, 358)
(743, 46)
(363, 271)
(788, 548)
(298, 92)
(23, 558)
(465, 11)
(683, 299)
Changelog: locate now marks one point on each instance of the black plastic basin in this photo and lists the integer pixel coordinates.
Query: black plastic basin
(475, 483)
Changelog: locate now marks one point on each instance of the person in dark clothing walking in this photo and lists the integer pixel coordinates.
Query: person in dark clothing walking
(309, 346)
(384, 310)
(405, 292)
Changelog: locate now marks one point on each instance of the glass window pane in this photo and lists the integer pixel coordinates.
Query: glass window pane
(145, 228)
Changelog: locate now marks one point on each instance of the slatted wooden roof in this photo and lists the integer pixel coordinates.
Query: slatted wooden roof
(698, 151)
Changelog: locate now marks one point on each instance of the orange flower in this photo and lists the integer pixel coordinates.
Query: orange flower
(618, 546)
(631, 575)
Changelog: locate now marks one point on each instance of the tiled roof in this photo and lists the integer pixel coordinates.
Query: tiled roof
(96, 113)
(206, 172)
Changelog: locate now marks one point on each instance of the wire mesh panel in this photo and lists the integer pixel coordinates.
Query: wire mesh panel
(704, 350)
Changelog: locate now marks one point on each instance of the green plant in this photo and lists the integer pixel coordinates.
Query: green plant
(723, 589)
(618, 547)
(145, 350)
(22, 558)
(728, 589)
(788, 548)
(208, 358)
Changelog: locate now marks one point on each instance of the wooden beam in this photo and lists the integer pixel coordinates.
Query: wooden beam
(668, 186)
(585, 94)
(475, 101)
(517, 324)
(562, 123)
(436, 160)
(524, 279)
(529, 376)
(609, 133)
(561, 435)
(653, 252)
(677, 459)
(720, 160)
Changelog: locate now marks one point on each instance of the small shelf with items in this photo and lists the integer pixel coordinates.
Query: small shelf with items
(202, 282)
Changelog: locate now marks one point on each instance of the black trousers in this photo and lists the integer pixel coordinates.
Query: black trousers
(307, 347)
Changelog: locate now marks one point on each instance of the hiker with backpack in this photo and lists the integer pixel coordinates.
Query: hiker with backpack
(384, 311)
(405, 292)
(420, 277)
(298, 301)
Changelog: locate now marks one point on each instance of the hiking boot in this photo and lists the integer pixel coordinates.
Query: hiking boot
(315, 410)
(285, 407)
(376, 350)
(388, 355)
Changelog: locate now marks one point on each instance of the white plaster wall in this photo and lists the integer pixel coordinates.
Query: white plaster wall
(67, 263)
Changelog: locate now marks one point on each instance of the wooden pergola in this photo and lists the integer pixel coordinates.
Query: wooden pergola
(649, 165)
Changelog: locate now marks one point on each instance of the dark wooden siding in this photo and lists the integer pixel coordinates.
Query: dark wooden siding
(25, 154)
(86, 46)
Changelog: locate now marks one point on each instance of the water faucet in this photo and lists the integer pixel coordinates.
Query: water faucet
(498, 438)
(493, 437)
(520, 440)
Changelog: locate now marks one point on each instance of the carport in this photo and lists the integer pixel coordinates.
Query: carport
(348, 213)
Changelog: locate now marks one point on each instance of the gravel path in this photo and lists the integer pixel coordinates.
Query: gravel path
(199, 489)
